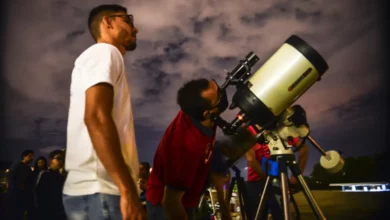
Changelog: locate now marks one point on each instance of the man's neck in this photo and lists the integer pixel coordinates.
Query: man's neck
(120, 48)
(207, 123)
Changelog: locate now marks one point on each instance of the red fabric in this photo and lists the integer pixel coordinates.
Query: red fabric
(294, 141)
(261, 150)
(182, 161)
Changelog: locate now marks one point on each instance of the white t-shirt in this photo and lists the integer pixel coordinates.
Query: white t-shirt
(86, 174)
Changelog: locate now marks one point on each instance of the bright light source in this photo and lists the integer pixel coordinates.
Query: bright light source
(7, 170)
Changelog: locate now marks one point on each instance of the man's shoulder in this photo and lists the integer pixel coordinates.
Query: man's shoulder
(180, 132)
(103, 47)
(101, 51)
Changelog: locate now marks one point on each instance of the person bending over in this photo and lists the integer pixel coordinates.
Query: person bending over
(183, 158)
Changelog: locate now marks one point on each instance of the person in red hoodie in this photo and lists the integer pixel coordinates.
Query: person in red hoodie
(182, 161)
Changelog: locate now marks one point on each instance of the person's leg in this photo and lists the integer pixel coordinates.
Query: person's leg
(155, 212)
(191, 213)
(275, 201)
(97, 207)
(105, 206)
(16, 207)
(76, 207)
(254, 191)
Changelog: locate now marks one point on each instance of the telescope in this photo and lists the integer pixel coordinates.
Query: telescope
(265, 100)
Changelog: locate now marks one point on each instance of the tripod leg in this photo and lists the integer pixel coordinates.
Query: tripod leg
(231, 187)
(244, 199)
(314, 206)
(260, 208)
(241, 200)
(306, 191)
(285, 196)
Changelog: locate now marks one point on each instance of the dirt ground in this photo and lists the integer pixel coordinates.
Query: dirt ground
(337, 205)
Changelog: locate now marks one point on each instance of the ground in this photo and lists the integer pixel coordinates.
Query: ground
(337, 205)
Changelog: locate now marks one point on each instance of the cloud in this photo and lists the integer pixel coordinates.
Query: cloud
(181, 40)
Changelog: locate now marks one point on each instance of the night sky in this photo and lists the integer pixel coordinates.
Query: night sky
(181, 40)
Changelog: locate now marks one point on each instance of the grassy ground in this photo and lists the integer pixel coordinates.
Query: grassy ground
(337, 205)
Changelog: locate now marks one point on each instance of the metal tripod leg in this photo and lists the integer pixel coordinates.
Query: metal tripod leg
(260, 208)
(242, 197)
(284, 186)
(306, 191)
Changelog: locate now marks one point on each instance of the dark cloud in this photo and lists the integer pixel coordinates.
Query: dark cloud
(190, 39)
(304, 16)
(369, 104)
(74, 34)
(200, 26)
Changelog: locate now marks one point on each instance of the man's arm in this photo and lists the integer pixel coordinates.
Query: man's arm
(303, 155)
(253, 163)
(219, 180)
(172, 205)
(104, 136)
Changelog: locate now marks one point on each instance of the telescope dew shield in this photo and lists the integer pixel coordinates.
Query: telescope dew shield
(283, 78)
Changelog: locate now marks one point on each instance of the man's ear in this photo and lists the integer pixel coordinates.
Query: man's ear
(206, 114)
(107, 22)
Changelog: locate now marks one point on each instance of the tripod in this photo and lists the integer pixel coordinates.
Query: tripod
(241, 194)
(288, 161)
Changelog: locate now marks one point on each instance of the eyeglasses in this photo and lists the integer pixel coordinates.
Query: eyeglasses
(129, 19)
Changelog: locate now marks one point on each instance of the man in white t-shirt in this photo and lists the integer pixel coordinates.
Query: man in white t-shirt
(101, 154)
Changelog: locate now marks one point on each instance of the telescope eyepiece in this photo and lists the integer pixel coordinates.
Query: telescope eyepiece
(251, 59)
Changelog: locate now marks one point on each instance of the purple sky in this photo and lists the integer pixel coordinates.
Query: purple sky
(180, 40)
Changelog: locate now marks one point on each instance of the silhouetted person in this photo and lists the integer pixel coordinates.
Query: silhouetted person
(144, 169)
(49, 189)
(20, 187)
(143, 180)
(40, 165)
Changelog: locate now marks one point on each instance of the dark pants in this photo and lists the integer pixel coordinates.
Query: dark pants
(156, 212)
(18, 206)
(254, 191)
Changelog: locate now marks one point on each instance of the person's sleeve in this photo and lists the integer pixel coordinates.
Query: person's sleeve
(181, 164)
(103, 65)
(218, 162)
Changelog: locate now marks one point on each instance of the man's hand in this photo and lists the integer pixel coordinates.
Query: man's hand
(293, 180)
(131, 208)
(219, 180)
(172, 205)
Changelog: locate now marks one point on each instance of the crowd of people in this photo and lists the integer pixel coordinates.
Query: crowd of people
(36, 192)
(102, 168)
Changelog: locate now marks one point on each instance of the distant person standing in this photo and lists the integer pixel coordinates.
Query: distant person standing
(101, 154)
(144, 169)
(48, 192)
(20, 187)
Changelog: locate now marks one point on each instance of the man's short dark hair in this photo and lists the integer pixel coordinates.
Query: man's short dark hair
(25, 153)
(96, 15)
(190, 100)
(146, 165)
(56, 152)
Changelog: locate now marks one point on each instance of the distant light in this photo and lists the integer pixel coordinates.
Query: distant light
(7, 170)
